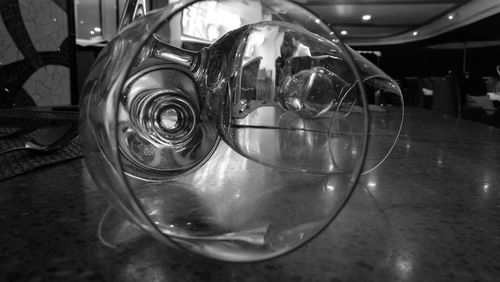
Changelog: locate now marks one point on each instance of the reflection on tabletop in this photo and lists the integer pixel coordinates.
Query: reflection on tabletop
(431, 212)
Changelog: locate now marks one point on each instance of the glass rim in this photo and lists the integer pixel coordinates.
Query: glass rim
(166, 15)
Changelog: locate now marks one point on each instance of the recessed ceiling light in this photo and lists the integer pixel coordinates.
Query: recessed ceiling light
(415, 33)
(451, 17)
(366, 17)
(343, 32)
(317, 21)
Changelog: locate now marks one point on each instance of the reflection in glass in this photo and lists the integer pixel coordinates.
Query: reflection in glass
(241, 151)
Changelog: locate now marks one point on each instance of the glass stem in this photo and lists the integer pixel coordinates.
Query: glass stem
(176, 55)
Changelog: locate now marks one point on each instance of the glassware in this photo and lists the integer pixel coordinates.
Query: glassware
(241, 151)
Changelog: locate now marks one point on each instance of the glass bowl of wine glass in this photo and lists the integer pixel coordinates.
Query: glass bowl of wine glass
(239, 140)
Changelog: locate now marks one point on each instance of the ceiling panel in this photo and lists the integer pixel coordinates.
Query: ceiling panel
(381, 15)
(368, 31)
(377, 2)
(399, 21)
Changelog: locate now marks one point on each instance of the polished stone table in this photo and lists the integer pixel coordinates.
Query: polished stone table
(431, 212)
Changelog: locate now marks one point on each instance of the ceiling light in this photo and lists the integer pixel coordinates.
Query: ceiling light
(415, 33)
(366, 17)
(343, 32)
(451, 17)
(317, 21)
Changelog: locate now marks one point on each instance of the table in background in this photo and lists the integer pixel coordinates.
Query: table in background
(430, 212)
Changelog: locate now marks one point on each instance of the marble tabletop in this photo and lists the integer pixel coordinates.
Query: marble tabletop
(431, 212)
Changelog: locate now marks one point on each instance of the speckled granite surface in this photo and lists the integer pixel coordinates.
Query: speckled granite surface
(430, 213)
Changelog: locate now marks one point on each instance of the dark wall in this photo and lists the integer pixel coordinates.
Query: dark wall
(416, 60)
(85, 57)
(36, 53)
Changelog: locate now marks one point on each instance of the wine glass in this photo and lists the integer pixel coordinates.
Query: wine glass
(241, 151)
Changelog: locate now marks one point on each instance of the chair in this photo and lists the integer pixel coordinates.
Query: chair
(427, 91)
(445, 99)
(412, 93)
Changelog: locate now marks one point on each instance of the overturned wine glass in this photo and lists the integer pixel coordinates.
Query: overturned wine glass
(241, 151)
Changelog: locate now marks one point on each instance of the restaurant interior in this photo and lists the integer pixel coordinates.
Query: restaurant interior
(433, 38)
(250, 140)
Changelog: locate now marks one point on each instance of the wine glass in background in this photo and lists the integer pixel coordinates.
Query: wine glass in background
(240, 151)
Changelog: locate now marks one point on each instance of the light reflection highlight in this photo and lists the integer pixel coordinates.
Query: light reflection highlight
(404, 266)
(330, 187)
(486, 187)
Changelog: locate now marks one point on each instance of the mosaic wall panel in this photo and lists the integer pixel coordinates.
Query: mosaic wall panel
(36, 52)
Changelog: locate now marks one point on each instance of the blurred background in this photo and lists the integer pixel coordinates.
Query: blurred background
(444, 53)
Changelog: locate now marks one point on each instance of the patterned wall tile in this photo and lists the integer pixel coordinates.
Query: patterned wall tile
(41, 84)
(36, 54)
(45, 22)
(8, 50)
